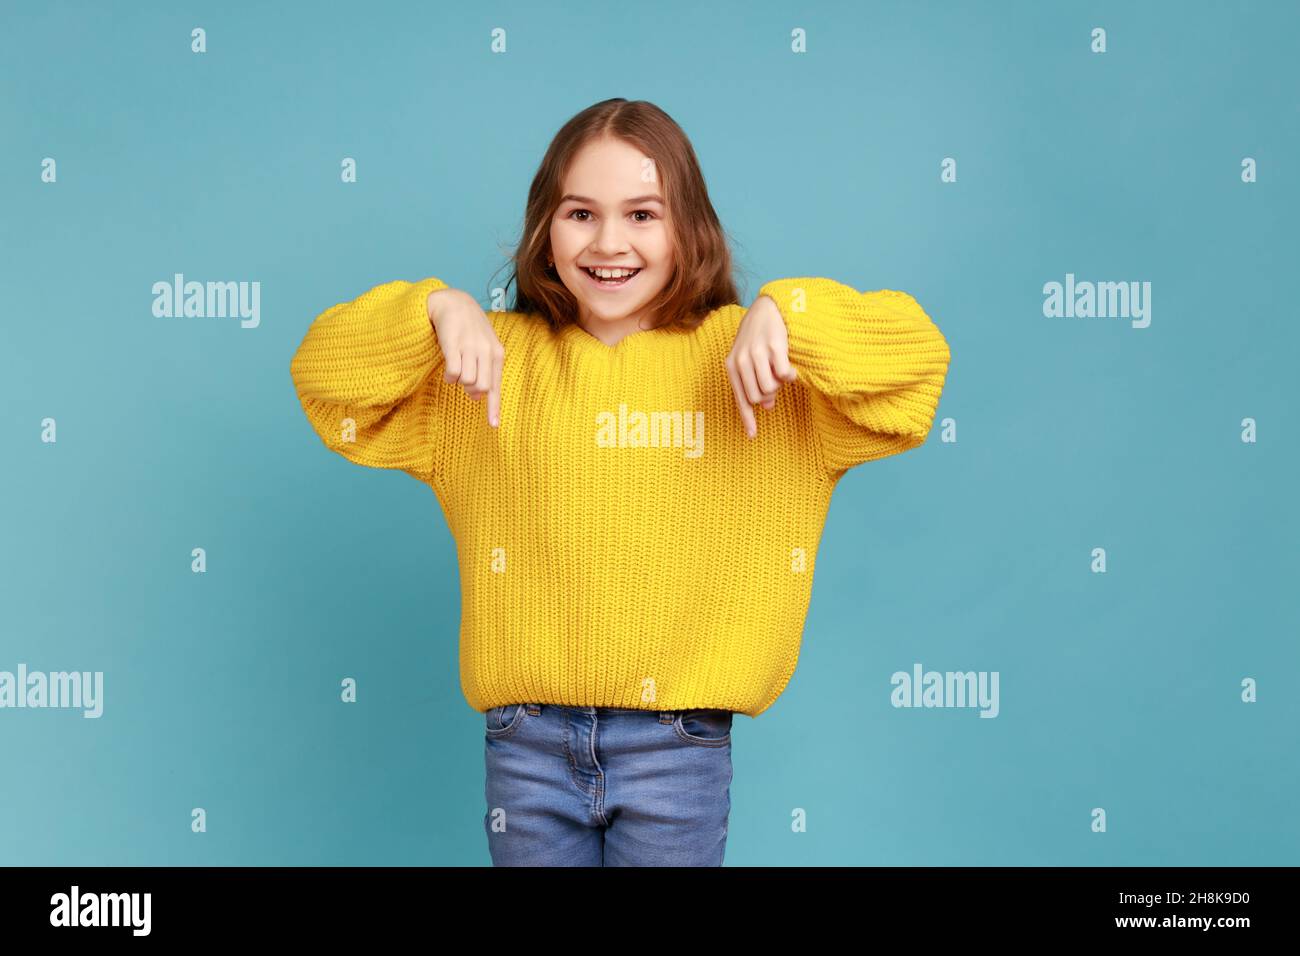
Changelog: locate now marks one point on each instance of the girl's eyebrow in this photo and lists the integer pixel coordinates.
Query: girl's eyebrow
(626, 202)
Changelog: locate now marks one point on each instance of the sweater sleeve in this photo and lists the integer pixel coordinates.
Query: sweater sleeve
(874, 363)
(364, 375)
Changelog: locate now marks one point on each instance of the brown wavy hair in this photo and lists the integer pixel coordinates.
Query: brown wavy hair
(701, 279)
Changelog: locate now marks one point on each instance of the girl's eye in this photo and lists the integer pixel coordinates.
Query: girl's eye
(647, 212)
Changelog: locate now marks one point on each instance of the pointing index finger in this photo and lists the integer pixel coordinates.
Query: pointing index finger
(742, 402)
(494, 394)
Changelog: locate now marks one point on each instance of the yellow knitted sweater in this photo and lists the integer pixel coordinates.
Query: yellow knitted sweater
(621, 541)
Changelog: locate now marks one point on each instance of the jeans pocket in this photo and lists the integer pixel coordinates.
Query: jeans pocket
(704, 728)
(504, 720)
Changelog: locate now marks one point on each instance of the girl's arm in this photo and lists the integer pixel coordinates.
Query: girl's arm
(367, 375)
(874, 363)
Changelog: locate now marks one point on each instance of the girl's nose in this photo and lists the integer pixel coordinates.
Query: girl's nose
(609, 238)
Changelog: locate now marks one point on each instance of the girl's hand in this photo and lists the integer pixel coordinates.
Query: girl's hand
(759, 361)
(473, 353)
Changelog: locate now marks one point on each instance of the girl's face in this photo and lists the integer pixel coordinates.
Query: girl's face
(612, 214)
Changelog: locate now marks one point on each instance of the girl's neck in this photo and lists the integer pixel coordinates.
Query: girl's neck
(612, 331)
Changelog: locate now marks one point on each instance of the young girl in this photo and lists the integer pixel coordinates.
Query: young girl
(635, 542)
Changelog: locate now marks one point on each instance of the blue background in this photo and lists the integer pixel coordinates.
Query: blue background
(1118, 690)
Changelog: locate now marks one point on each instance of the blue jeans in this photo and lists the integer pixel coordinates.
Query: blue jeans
(607, 786)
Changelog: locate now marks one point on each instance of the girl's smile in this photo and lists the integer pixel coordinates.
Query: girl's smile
(618, 278)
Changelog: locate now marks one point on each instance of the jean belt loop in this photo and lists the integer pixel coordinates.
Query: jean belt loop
(533, 709)
(666, 716)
